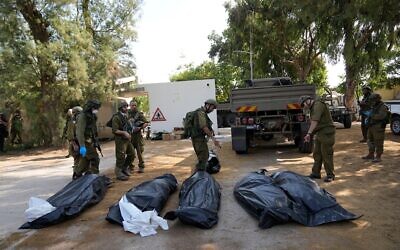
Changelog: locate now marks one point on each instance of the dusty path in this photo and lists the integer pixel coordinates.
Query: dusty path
(361, 187)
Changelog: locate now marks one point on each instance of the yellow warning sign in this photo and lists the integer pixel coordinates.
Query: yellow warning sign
(158, 116)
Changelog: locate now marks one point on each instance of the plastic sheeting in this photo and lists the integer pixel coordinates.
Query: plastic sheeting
(213, 166)
(70, 201)
(199, 201)
(147, 196)
(286, 196)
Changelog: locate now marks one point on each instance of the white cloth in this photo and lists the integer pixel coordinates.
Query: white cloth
(37, 208)
(136, 221)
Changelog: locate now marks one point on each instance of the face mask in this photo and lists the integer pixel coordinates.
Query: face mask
(95, 111)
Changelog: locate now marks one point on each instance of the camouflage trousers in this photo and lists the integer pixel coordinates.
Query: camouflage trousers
(90, 162)
(124, 155)
(201, 148)
(376, 137)
(138, 145)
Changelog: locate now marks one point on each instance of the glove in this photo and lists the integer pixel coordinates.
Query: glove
(82, 151)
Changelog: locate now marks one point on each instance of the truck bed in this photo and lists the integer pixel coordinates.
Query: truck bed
(269, 98)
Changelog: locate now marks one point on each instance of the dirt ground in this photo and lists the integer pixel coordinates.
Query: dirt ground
(362, 187)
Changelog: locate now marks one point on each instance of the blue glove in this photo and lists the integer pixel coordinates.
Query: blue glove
(367, 113)
(82, 151)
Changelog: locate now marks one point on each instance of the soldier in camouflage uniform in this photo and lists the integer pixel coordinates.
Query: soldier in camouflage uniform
(139, 123)
(364, 106)
(202, 130)
(86, 133)
(70, 135)
(376, 122)
(16, 128)
(322, 127)
(124, 153)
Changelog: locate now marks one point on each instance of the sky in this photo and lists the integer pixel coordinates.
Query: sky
(172, 33)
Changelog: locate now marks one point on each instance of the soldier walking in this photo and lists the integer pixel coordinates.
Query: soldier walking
(201, 132)
(16, 128)
(376, 122)
(86, 133)
(324, 131)
(124, 153)
(139, 123)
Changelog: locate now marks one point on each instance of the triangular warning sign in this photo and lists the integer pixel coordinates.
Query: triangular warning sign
(158, 116)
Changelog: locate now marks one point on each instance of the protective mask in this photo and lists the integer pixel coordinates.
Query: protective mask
(95, 111)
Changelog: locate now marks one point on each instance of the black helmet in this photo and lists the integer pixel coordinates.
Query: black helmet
(92, 104)
(212, 102)
(304, 98)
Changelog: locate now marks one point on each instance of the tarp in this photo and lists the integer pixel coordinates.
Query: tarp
(286, 196)
(147, 196)
(199, 201)
(70, 201)
(213, 165)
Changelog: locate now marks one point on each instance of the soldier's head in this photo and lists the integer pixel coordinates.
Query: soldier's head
(366, 89)
(133, 105)
(305, 101)
(375, 98)
(92, 106)
(76, 110)
(123, 106)
(210, 105)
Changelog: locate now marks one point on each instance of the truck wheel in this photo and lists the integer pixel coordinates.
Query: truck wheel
(395, 125)
(347, 121)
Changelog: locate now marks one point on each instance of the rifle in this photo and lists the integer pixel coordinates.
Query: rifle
(96, 144)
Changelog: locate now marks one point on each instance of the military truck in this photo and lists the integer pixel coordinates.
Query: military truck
(394, 108)
(268, 107)
(339, 112)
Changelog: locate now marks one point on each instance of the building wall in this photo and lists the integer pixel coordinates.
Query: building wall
(175, 99)
(389, 94)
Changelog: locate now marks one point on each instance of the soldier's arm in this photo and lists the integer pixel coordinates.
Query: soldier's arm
(381, 114)
(143, 119)
(80, 129)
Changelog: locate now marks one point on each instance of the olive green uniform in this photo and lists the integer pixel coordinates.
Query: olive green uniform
(124, 153)
(199, 139)
(86, 133)
(137, 137)
(16, 129)
(376, 128)
(73, 147)
(365, 105)
(324, 139)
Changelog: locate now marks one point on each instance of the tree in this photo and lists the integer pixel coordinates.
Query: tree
(226, 76)
(61, 52)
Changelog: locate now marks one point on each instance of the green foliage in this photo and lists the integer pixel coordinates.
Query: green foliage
(226, 76)
(57, 54)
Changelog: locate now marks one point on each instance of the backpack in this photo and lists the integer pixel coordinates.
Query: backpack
(188, 124)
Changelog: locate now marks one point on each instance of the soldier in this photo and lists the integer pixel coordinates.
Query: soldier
(16, 128)
(139, 123)
(376, 122)
(124, 153)
(322, 127)
(201, 132)
(70, 135)
(3, 131)
(364, 106)
(86, 133)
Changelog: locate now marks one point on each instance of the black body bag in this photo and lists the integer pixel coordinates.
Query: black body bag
(287, 196)
(199, 201)
(147, 196)
(213, 165)
(73, 199)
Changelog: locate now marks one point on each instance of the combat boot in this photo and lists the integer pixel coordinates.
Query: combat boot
(369, 156)
(377, 158)
(120, 175)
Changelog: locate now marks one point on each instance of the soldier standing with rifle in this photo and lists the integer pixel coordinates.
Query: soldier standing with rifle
(139, 122)
(364, 106)
(124, 152)
(86, 133)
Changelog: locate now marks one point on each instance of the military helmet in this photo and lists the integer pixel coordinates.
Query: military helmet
(375, 97)
(366, 87)
(93, 104)
(77, 109)
(122, 104)
(212, 102)
(304, 98)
